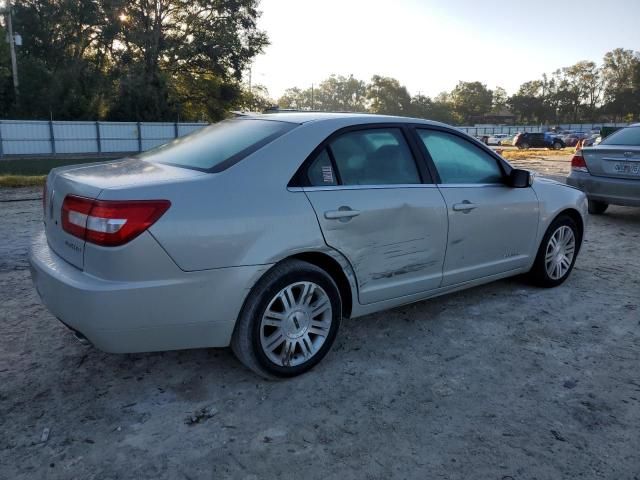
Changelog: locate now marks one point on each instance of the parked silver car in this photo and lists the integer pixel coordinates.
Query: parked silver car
(264, 232)
(609, 173)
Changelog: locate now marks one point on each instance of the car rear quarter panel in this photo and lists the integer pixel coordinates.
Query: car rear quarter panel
(554, 198)
(244, 215)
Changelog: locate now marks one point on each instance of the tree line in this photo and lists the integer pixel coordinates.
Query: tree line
(168, 60)
(584, 92)
(130, 59)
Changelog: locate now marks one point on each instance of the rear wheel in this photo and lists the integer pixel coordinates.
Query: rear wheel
(597, 208)
(524, 146)
(557, 253)
(289, 321)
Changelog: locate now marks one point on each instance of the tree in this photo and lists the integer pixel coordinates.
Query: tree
(341, 94)
(135, 59)
(622, 85)
(470, 100)
(385, 95)
(296, 99)
(438, 109)
(499, 99)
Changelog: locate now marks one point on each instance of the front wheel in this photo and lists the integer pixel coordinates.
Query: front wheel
(557, 253)
(597, 208)
(557, 146)
(289, 321)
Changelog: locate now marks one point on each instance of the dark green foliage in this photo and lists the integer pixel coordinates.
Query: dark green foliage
(130, 59)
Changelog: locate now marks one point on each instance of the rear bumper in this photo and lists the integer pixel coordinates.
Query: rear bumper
(191, 310)
(616, 191)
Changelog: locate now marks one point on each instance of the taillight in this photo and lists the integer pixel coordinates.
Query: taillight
(110, 223)
(578, 164)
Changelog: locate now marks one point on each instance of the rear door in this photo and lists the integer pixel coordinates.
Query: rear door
(492, 227)
(377, 206)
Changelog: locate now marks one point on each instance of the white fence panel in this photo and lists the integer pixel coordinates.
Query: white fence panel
(75, 137)
(187, 128)
(154, 134)
(119, 137)
(25, 137)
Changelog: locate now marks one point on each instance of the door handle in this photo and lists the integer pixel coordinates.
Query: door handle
(342, 213)
(464, 207)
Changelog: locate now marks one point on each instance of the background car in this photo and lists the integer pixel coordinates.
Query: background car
(528, 140)
(609, 173)
(571, 140)
(263, 232)
(593, 139)
(497, 138)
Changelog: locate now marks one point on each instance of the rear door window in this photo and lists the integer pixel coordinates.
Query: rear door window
(217, 147)
(377, 156)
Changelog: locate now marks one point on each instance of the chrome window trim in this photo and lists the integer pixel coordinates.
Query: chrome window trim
(361, 187)
(472, 185)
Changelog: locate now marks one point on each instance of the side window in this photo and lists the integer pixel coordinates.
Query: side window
(459, 161)
(320, 172)
(374, 157)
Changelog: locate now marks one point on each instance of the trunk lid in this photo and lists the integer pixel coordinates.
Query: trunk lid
(613, 161)
(89, 181)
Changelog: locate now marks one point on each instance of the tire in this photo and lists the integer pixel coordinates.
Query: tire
(524, 146)
(296, 348)
(544, 272)
(597, 208)
(557, 146)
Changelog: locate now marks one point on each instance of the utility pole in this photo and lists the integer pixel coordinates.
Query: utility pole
(12, 47)
(250, 93)
(312, 102)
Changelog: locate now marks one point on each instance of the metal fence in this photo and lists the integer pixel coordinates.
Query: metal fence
(513, 129)
(27, 137)
(23, 137)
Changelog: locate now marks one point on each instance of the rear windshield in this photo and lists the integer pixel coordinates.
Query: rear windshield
(624, 136)
(217, 147)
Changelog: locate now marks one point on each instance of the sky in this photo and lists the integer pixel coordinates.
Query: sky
(430, 45)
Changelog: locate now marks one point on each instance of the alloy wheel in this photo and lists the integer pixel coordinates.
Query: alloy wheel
(296, 324)
(560, 252)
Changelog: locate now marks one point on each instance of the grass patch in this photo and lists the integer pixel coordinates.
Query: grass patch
(16, 181)
(531, 153)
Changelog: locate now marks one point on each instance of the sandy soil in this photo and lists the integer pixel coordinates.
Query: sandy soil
(504, 381)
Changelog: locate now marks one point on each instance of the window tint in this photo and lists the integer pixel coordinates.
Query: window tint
(321, 172)
(459, 161)
(218, 146)
(625, 136)
(374, 157)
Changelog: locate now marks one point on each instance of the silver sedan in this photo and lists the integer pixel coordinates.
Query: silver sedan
(264, 232)
(609, 173)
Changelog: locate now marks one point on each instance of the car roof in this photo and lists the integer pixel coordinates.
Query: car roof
(356, 118)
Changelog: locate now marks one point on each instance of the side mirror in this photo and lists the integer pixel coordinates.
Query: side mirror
(519, 178)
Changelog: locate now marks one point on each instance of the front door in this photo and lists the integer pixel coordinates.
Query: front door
(492, 227)
(374, 207)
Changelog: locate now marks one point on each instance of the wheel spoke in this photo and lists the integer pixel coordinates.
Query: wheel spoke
(307, 294)
(306, 345)
(274, 341)
(322, 306)
(287, 352)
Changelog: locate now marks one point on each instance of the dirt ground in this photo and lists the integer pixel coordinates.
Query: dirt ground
(504, 381)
